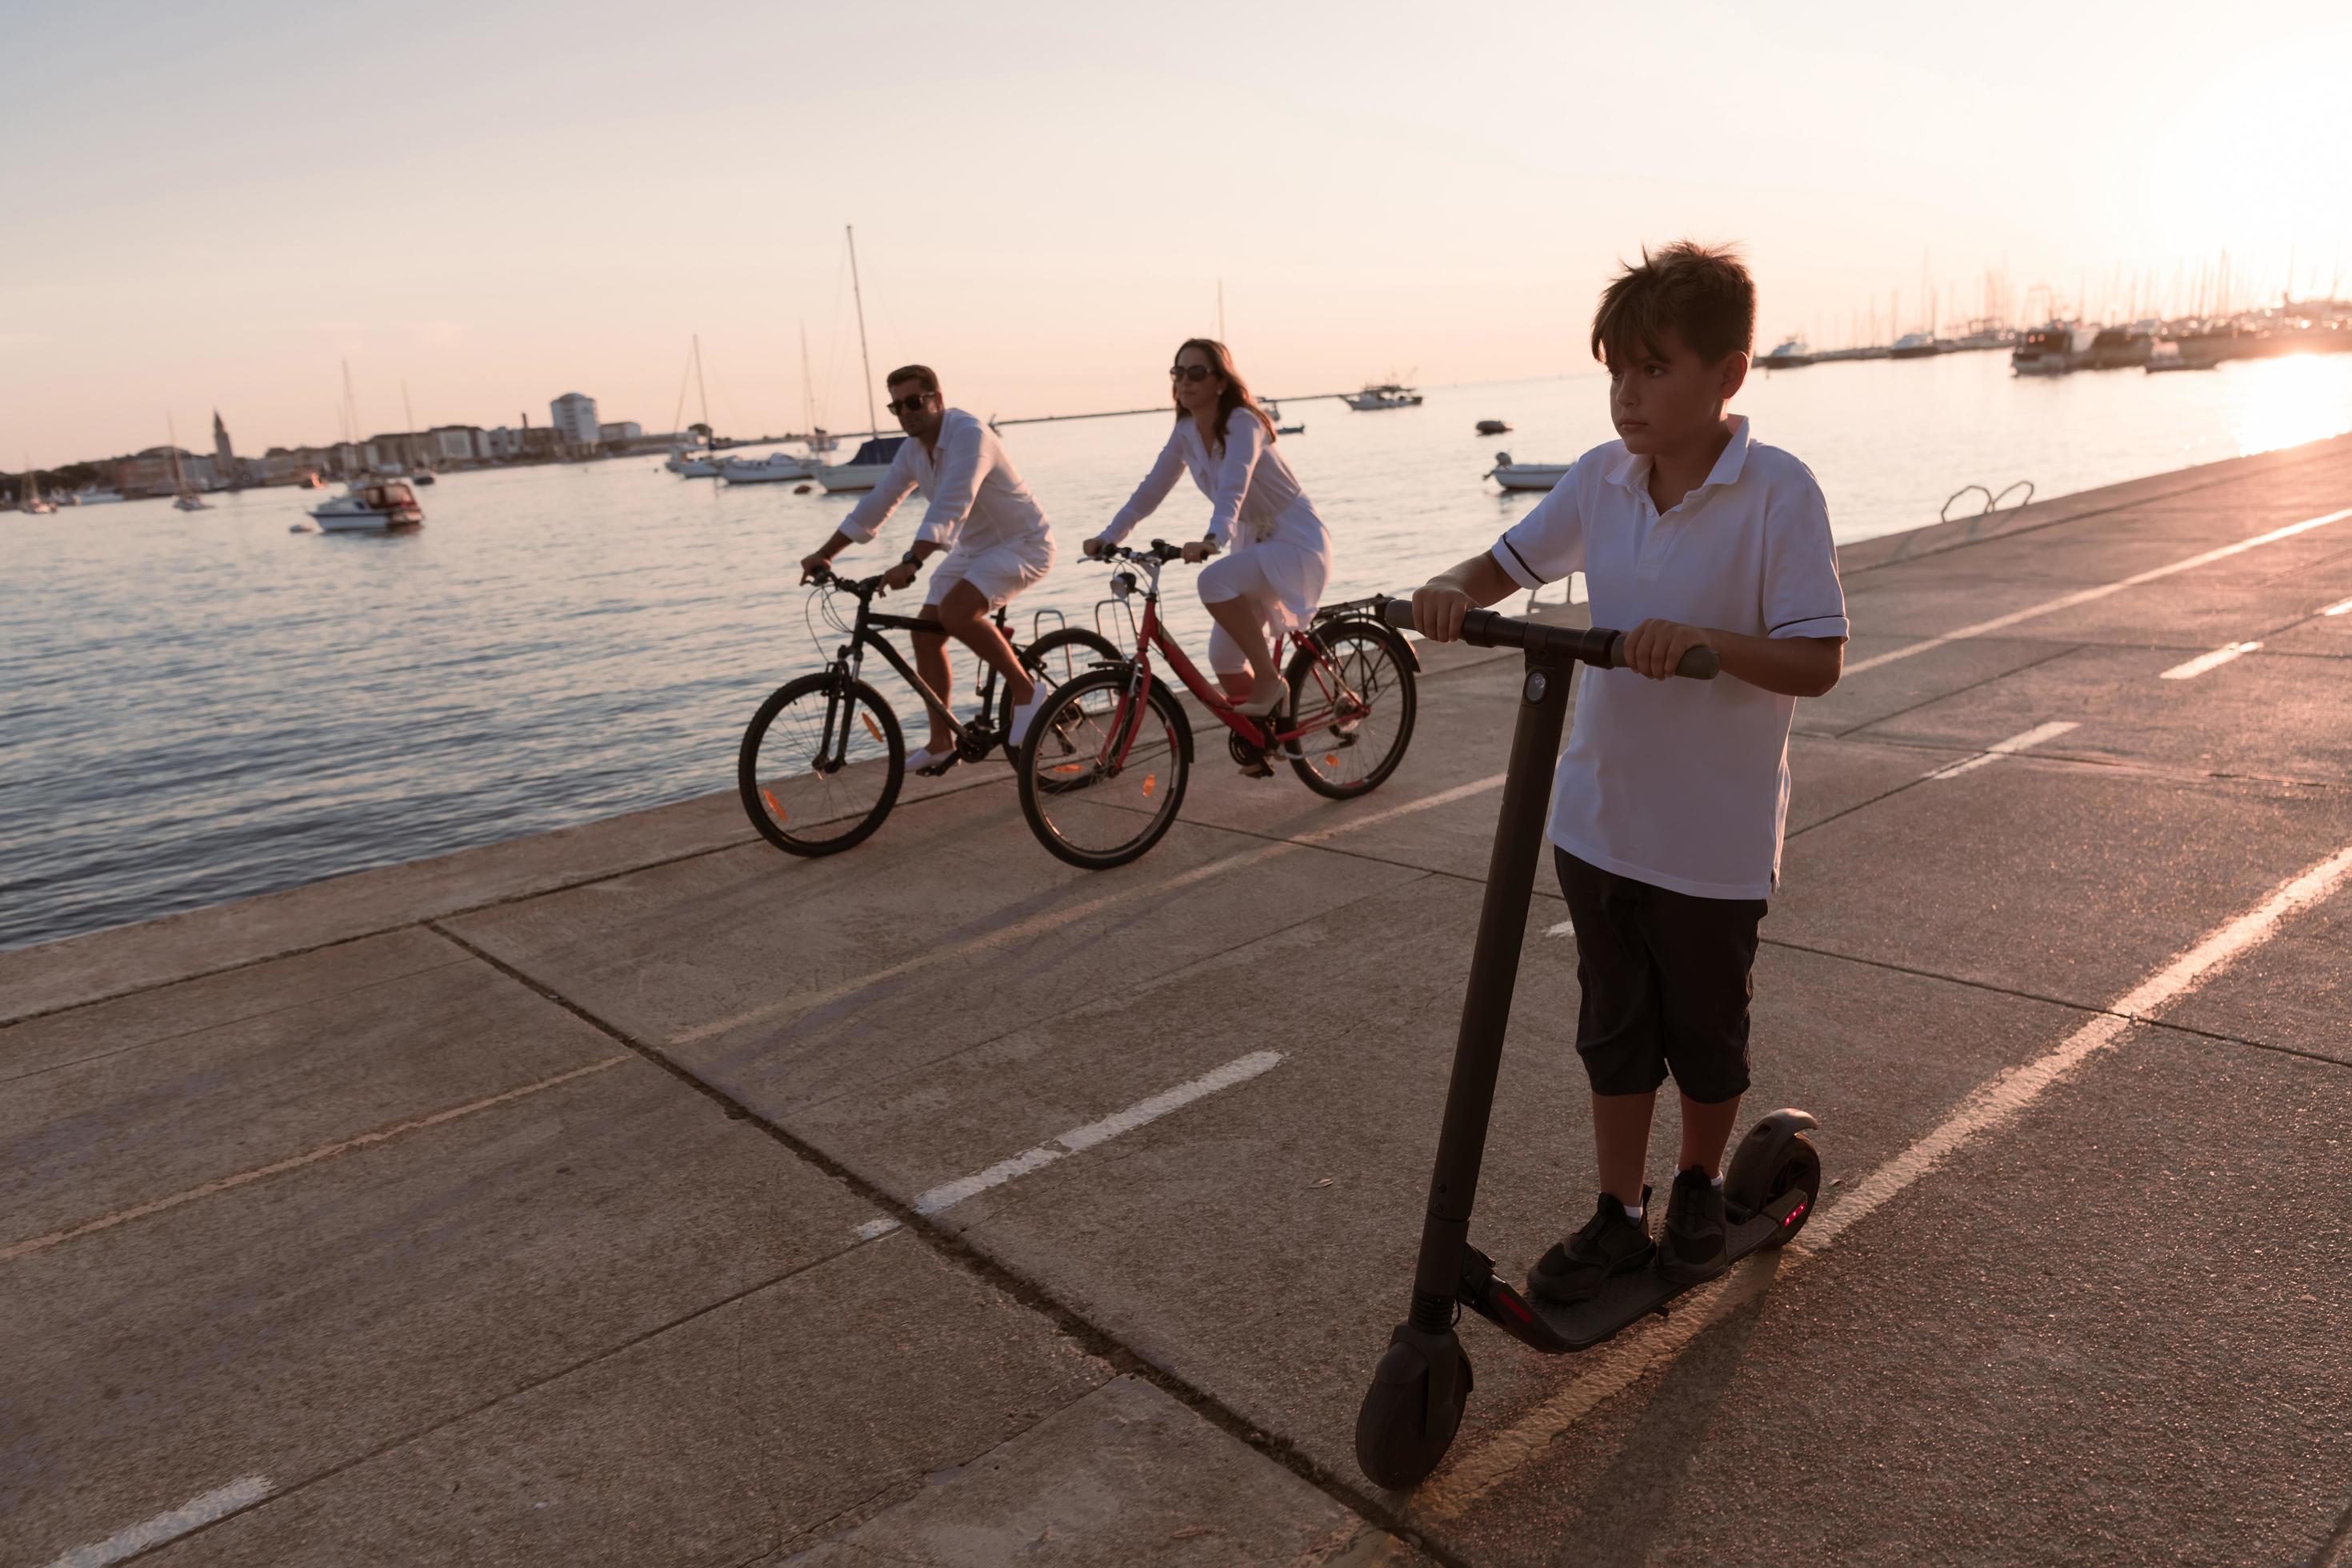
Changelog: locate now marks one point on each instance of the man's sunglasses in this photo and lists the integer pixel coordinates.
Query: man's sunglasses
(907, 405)
(1189, 373)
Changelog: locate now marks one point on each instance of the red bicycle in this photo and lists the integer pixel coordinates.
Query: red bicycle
(1103, 771)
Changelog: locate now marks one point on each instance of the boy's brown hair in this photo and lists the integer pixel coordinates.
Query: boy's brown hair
(1703, 292)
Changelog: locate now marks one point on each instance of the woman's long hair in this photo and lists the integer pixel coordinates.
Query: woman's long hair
(1236, 396)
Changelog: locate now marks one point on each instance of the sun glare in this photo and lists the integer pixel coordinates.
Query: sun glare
(2288, 402)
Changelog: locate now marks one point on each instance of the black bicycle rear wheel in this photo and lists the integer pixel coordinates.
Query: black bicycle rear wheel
(1054, 660)
(1100, 776)
(800, 799)
(1362, 692)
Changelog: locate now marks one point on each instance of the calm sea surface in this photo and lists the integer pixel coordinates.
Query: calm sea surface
(198, 707)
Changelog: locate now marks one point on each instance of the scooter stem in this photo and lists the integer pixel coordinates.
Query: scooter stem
(1494, 973)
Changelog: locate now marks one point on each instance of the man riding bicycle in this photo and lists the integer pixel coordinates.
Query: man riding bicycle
(990, 528)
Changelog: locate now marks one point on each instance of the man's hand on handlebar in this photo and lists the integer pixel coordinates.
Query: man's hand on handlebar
(815, 567)
(900, 575)
(1200, 549)
(1655, 648)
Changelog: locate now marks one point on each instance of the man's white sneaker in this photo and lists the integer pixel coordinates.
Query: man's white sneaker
(923, 760)
(1026, 715)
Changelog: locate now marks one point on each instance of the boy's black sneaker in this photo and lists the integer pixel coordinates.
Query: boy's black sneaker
(1610, 1243)
(1692, 1247)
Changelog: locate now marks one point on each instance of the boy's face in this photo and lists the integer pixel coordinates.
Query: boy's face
(1672, 399)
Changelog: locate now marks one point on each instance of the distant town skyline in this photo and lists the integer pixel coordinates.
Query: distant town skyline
(1048, 196)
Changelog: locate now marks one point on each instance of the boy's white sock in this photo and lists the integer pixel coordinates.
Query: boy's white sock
(1632, 1211)
(1716, 1183)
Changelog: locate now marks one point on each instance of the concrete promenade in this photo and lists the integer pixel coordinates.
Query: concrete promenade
(636, 1195)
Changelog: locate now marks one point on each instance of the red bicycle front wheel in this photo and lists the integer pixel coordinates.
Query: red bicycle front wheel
(1101, 774)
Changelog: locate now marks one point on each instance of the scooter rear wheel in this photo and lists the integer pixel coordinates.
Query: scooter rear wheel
(1396, 1447)
(1800, 1167)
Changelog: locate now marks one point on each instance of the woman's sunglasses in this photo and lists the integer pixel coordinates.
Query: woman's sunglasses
(1189, 373)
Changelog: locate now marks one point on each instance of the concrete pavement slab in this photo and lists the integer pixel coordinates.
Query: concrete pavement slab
(166, 1013)
(1871, 695)
(2125, 711)
(1828, 778)
(1259, 1242)
(2293, 991)
(786, 982)
(1125, 1475)
(2061, 879)
(798, 1408)
(296, 1324)
(2109, 1334)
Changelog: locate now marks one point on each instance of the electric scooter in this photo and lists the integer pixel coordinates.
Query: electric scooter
(1415, 1405)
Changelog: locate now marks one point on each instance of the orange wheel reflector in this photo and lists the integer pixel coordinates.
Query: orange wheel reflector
(1330, 759)
(871, 727)
(1067, 768)
(770, 799)
(1148, 779)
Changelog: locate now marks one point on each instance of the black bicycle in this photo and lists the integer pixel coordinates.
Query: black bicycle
(824, 759)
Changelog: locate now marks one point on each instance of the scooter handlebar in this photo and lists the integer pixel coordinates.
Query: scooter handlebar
(1599, 645)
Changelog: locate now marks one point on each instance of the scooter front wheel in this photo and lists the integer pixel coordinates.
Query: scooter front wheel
(1399, 1438)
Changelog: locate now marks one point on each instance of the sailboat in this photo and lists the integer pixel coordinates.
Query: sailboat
(185, 496)
(872, 458)
(33, 502)
(706, 466)
(820, 439)
(423, 472)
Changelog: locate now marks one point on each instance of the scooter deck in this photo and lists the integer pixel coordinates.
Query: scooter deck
(1619, 1304)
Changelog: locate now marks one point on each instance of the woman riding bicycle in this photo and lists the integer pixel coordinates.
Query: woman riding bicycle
(1278, 551)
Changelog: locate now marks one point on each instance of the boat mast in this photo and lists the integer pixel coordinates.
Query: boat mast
(873, 419)
(408, 414)
(701, 397)
(808, 385)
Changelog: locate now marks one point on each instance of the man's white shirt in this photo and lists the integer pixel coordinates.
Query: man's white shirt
(977, 499)
(1682, 783)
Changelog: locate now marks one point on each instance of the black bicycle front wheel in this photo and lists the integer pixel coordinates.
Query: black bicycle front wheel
(1101, 774)
(820, 765)
(1356, 698)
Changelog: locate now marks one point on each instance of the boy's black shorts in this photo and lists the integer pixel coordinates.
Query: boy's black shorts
(1666, 982)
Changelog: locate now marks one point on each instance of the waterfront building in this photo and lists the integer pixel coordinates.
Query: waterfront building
(502, 445)
(575, 418)
(149, 473)
(224, 455)
(454, 444)
(625, 430)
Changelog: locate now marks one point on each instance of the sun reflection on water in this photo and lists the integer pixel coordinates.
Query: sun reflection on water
(2286, 402)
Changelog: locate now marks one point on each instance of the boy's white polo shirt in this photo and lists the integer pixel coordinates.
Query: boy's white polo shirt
(1682, 783)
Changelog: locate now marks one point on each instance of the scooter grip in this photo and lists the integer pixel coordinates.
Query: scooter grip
(1698, 664)
(1398, 612)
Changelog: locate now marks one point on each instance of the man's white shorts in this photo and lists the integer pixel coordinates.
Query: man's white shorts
(1001, 572)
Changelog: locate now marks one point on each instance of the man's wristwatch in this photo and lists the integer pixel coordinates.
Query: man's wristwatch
(911, 558)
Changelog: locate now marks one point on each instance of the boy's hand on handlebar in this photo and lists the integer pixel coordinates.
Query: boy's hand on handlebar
(1655, 648)
(1438, 609)
(1200, 549)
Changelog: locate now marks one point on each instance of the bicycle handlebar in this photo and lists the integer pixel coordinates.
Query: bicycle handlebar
(825, 576)
(1599, 646)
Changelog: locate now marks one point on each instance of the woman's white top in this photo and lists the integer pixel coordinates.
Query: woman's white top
(1255, 501)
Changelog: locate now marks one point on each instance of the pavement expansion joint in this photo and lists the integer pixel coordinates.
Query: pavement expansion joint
(1089, 1335)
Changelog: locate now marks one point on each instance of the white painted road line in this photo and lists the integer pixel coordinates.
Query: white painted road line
(2220, 655)
(1078, 1139)
(1996, 1102)
(27, 1247)
(2084, 595)
(1565, 927)
(192, 1514)
(2338, 609)
(1038, 925)
(2008, 748)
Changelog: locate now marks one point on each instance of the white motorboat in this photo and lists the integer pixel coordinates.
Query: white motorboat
(774, 469)
(32, 502)
(689, 466)
(1514, 476)
(1915, 345)
(373, 506)
(96, 497)
(1381, 395)
(188, 500)
(865, 466)
(1791, 355)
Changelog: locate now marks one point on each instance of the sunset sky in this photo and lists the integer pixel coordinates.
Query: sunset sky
(214, 206)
